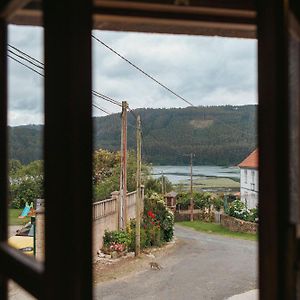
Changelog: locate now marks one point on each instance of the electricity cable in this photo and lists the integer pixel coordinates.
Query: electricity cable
(25, 54)
(141, 70)
(16, 60)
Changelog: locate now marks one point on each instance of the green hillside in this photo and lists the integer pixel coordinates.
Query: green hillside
(218, 135)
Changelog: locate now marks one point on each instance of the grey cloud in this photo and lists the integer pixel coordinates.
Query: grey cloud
(204, 70)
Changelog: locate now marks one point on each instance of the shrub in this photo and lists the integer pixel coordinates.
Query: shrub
(218, 203)
(253, 215)
(201, 201)
(149, 236)
(25, 190)
(154, 185)
(116, 240)
(239, 210)
(158, 218)
(144, 238)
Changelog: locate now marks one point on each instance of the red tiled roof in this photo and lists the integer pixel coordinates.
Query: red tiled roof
(251, 161)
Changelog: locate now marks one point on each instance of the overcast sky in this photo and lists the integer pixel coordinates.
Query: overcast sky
(203, 70)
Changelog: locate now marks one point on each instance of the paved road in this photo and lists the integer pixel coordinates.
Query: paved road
(204, 267)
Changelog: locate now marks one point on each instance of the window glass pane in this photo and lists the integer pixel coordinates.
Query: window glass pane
(189, 154)
(25, 119)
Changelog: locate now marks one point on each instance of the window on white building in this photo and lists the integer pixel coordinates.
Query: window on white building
(245, 175)
(253, 182)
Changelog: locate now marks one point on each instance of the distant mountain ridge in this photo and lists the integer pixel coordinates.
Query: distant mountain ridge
(217, 135)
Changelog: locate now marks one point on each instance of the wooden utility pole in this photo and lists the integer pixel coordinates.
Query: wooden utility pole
(163, 183)
(138, 186)
(192, 200)
(123, 175)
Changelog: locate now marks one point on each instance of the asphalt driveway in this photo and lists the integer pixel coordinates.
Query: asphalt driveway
(204, 266)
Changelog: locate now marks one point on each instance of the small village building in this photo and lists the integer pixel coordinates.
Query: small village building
(249, 180)
(170, 200)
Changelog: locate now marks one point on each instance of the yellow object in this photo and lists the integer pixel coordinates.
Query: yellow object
(23, 240)
(22, 243)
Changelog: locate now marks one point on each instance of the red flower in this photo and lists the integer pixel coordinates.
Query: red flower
(151, 214)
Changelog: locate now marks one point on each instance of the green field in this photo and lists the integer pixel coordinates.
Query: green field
(213, 228)
(13, 217)
(216, 182)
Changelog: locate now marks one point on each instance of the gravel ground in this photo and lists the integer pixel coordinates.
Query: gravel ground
(12, 229)
(203, 266)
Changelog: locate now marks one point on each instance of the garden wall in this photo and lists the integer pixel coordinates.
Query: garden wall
(198, 214)
(238, 225)
(105, 216)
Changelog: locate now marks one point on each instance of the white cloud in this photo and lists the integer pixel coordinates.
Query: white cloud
(204, 70)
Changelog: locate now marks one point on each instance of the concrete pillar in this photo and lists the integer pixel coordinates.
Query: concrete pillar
(116, 195)
(40, 232)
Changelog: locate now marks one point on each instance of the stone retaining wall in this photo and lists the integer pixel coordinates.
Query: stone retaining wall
(238, 225)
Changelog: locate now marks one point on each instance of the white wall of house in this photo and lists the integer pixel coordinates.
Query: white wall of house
(249, 187)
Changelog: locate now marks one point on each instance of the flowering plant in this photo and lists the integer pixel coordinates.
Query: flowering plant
(151, 214)
(239, 210)
(116, 240)
(117, 247)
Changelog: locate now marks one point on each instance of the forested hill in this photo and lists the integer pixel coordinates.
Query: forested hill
(217, 135)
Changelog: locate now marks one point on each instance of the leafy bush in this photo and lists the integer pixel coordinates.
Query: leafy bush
(144, 238)
(26, 183)
(201, 201)
(157, 227)
(116, 240)
(106, 173)
(158, 220)
(154, 185)
(253, 216)
(239, 210)
(218, 203)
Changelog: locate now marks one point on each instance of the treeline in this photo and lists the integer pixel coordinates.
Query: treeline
(217, 135)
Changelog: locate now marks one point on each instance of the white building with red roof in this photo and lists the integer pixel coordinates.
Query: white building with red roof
(249, 180)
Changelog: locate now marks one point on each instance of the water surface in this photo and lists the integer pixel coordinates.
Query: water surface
(176, 174)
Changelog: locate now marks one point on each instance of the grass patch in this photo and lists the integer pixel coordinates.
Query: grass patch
(214, 183)
(13, 214)
(217, 182)
(213, 228)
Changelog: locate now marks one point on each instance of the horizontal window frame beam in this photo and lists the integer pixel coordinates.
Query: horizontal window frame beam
(19, 267)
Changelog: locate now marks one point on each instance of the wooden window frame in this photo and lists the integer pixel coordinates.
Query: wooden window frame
(68, 131)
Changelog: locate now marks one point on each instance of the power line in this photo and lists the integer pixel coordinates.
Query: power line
(23, 58)
(16, 60)
(33, 61)
(140, 70)
(25, 54)
(106, 98)
(102, 109)
(28, 58)
(26, 65)
(95, 93)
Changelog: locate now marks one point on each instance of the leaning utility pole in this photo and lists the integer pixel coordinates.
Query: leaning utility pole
(192, 200)
(123, 175)
(138, 186)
